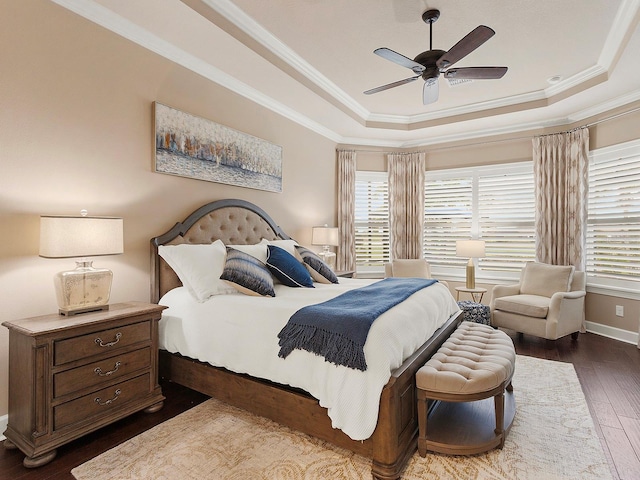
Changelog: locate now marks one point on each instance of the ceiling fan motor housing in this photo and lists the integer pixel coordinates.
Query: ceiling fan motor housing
(428, 60)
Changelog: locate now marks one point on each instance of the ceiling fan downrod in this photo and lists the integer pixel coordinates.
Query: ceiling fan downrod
(429, 17)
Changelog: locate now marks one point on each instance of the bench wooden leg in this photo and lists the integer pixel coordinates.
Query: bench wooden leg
(499, 407)
(423, 410)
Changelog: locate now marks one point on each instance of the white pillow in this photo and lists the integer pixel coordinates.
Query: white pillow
(199, 268)
(287, 245)
(259, 250)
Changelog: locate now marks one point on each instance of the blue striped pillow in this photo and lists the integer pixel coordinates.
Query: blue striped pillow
(247, 274)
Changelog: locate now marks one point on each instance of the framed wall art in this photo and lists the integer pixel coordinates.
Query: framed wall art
(194, 147)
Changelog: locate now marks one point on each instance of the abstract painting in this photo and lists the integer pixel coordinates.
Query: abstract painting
(194, 147)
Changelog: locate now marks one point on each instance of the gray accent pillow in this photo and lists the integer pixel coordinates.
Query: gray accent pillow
(320, 271)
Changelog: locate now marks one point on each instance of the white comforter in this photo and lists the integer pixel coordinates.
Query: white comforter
(240, 333)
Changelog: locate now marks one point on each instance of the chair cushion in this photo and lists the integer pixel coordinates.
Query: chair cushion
(418, 268)
(545, 280)
(528, 305)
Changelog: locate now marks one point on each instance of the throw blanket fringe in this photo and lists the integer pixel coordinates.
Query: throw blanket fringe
(338, 328)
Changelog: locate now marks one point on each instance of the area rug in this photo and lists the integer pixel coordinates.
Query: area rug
(552, 437)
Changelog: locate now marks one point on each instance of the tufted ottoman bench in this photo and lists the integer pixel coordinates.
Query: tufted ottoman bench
(474, 366)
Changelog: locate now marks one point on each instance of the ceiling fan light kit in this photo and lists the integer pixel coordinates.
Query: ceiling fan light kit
(431, 63)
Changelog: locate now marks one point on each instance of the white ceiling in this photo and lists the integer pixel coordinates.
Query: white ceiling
(310, 60)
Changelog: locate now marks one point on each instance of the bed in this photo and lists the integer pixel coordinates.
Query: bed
(237, 222)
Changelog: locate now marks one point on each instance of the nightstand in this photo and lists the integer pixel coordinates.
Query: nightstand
(69, 376)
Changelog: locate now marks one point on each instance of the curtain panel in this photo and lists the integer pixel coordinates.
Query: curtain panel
(560, 168)
(406, 204)
(346, 256)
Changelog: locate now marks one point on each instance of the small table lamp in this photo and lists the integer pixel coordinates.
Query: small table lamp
(470, 249)
(327, 237)
(86, 288)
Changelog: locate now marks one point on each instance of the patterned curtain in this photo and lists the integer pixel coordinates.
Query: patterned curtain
(406, 204)
(346, 256)
(560, 168)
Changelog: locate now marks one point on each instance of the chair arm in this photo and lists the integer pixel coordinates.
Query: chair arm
(503, 291)
(566, 313)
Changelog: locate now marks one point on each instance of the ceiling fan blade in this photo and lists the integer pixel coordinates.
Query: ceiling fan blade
(479, 73)
(395, 57)
(391, 85)
(430, 91)
(464, 47)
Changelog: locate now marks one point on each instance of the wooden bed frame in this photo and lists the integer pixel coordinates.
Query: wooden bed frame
(395, 438)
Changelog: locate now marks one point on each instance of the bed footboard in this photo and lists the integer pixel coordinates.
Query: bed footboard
(390, 447)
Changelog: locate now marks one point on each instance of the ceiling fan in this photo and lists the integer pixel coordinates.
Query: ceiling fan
(431, 63)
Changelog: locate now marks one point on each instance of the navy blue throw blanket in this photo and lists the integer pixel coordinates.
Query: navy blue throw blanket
(337, 329)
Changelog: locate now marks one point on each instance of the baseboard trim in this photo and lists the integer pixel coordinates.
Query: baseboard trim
(613, 332)
(4, 421)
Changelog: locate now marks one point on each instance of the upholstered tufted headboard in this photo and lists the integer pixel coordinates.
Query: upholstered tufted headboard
(235, 222)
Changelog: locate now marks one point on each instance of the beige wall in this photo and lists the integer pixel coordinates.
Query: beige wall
(76, 132)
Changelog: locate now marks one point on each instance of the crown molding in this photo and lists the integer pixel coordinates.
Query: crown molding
(623, 23)
(106, 18)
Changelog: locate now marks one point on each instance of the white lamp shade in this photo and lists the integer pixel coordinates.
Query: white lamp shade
(66, 236)
(324, 236)
(470, 248)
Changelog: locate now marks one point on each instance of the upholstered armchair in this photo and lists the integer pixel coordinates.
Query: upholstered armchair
(418, 268)
(548, 302)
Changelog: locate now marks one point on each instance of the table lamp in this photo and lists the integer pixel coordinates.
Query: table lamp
(86, 288)
(327, 237)
(470, 249)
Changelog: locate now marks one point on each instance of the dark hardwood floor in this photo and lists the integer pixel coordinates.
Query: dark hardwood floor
(609, 373)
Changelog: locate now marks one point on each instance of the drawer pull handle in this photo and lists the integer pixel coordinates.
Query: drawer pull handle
(110, 401)
(99, 371)
(110, 344)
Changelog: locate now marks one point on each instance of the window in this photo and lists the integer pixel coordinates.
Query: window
(371, 221)
(613, 222)
(495, 203)
(448, 207)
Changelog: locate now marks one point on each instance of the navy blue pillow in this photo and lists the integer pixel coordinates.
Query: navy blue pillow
(286, 268)
(247, 274)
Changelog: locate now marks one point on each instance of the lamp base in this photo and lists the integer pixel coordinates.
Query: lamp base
(85, 289)
(471, 275)
(329, 258)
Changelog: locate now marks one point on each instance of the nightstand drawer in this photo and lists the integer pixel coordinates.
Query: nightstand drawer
(102, 402)
(100, 342)
(98, 372)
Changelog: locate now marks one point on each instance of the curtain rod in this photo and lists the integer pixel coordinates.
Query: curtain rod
(488, 142)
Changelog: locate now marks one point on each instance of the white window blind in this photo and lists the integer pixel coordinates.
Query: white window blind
(448, 208)
(506, 209)
(371, 220)
(496, 204)
(613, 224)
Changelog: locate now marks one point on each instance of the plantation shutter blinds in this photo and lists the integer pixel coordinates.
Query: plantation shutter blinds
(448, 208)
(613, 222)
(506, 210)
(496, 204)
(372, 220)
